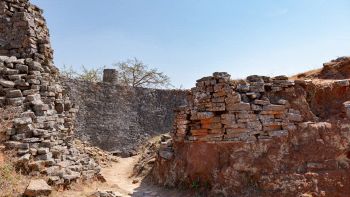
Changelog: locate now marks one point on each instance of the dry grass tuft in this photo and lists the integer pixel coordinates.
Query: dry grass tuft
(7, 114)
(12, 183)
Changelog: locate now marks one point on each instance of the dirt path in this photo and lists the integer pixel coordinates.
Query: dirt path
(119, 177)
(119, 181)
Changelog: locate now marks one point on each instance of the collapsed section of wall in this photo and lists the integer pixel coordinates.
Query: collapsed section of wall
(119, 118)
(256, 137)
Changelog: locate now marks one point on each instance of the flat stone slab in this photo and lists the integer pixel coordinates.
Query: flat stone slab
(38, 187)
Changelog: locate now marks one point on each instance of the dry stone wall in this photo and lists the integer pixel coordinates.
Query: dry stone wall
(227, 110)
(118, 118)
(42, 133)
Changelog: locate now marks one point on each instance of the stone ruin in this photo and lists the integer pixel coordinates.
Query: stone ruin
(256, 137)
(225, 110)
(110, 76)
(42, 132)
(261, 137)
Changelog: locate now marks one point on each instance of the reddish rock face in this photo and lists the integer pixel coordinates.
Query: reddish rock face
(221, 152)
(313, 159)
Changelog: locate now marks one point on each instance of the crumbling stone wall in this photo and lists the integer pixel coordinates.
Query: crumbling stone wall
(23, 32)
(259, 137)
(119, 118)
(42, 133)
(237, 111)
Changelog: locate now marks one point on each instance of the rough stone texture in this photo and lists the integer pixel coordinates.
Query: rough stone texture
(38, 188)
(118, 118)
(224, 110)
(260, 137)
(23, 31)
(110, 76)
(42, 133)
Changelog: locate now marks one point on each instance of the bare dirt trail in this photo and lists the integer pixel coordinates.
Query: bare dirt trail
(119, 180)
(119, 177)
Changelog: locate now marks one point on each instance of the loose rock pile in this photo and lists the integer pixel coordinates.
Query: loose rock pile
(225, 110)
(101, 157)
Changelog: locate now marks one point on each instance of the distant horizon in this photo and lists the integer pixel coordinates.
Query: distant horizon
(189, 39)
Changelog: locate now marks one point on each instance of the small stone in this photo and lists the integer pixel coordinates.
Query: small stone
(272, 107)
(238, 107)
(71, 176)
(45, 156)
(14, 94)
(204, 115)
(12, 144)
(32, 140)
(22, 68)
(25, 158)
(279, 133)
(35, 66)
(294, 117)
(22, 121)
(43, 151)
(7, 84)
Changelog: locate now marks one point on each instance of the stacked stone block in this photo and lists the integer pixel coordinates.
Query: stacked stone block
(110, 76)
(241, 110)
(41, 134)
(23, 32)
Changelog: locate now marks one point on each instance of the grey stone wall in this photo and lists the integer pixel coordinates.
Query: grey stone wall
(118, 118)
(41, 135)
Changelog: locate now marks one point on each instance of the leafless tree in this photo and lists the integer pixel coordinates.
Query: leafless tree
(68, 72)
(135, 73)
(86, 74)
(92, 75)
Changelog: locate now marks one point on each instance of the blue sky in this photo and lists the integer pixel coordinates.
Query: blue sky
(189, 39)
